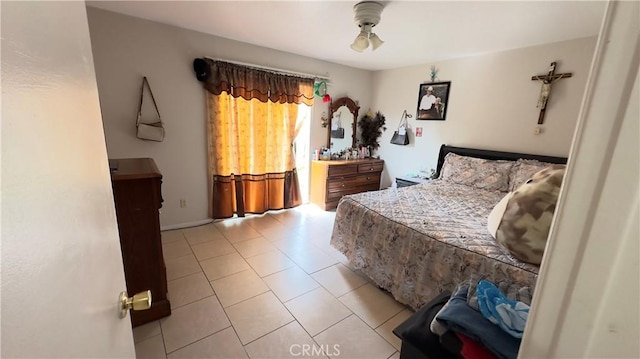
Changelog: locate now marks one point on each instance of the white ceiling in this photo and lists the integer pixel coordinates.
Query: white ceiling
(415, 32)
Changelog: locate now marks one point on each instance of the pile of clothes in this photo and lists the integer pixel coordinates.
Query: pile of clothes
(477, 321)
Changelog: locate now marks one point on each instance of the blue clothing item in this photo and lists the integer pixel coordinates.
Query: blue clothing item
(509, 315)
(461, 318)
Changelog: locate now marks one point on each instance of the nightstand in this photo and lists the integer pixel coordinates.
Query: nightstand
(409, 181)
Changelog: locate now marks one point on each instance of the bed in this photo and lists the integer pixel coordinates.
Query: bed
(418, 241)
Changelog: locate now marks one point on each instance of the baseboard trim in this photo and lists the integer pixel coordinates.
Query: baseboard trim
(186, 225)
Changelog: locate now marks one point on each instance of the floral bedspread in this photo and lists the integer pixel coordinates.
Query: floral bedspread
(418, 241)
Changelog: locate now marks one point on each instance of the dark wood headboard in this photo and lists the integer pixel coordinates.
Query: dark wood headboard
(492, 155)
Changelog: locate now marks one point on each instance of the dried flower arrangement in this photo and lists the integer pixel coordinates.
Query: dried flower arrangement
(371, 128)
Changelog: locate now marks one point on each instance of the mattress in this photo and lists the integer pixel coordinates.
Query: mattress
(418, 241)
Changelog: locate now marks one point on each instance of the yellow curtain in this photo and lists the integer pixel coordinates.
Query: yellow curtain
(251, 159)
(251, 129)
(248, 135)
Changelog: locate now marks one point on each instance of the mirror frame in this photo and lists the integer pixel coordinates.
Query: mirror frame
(353, 108)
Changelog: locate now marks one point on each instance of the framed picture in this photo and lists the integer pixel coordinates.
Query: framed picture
(433, 99)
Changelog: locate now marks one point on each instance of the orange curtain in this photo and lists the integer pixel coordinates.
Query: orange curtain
(250, 145)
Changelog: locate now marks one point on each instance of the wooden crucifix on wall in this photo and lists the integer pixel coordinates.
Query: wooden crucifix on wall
(545, 91)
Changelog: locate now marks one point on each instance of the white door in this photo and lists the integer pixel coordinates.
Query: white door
(61, 263)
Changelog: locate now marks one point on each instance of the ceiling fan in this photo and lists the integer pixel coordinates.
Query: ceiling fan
(367, 16)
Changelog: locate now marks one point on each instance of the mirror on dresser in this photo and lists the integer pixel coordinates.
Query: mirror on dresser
(341, 131)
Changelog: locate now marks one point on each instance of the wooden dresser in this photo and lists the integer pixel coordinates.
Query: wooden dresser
(136, 190)
(330, 180)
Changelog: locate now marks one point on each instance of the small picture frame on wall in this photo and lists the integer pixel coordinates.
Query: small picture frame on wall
(433, 100)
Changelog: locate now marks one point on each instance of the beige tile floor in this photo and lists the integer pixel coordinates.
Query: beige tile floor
(268, 286)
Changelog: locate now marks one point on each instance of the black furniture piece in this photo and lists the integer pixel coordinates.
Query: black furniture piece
(137, 194)
(418, 342)
(408, 181)
(491, 155)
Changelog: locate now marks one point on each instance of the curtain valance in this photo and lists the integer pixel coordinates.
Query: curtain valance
(250, 83)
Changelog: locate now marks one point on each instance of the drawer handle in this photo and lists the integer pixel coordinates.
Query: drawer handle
(371, 169)
(342, 184)
(368, 178)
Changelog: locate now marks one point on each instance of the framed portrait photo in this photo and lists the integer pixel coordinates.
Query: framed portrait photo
(433, 100)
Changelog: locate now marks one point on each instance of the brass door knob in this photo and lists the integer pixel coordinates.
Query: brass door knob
(140, 301)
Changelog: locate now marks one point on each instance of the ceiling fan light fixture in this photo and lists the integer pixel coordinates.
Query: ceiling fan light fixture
(360, 45)
(361, 42)
(367, 15)
(375, 41)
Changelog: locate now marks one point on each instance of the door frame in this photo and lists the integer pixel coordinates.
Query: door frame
(564, 313)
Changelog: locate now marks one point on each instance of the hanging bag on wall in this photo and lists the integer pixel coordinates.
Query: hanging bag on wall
(400, 136)
(149, 131)
(337, 131)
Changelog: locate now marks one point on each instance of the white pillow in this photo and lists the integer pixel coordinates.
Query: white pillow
(496, 214)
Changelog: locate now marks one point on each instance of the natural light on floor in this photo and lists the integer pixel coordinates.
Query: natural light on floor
(269, 286)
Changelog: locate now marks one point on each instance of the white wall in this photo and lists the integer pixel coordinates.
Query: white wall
(492, 101)
(492, 104)
(126, 48)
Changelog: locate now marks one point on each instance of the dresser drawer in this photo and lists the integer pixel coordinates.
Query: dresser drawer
(342, 170)
(334, 196)
(370, 167)
(338, 184)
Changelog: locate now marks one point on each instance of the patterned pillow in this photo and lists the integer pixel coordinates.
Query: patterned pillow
(476, 172)
(524, 169)
(524, 226)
